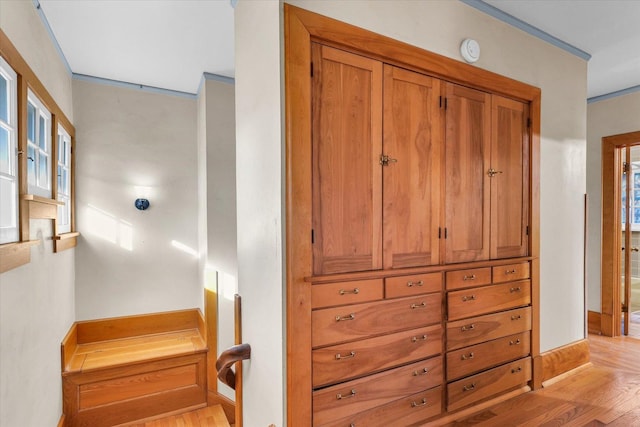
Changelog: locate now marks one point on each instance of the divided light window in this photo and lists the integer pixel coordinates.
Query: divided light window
(38, 147)
(64, 181)
(9, 227)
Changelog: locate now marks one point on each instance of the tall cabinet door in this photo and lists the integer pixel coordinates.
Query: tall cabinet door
(411, 177)
(467, 185)
(510, 182)
(347, 176)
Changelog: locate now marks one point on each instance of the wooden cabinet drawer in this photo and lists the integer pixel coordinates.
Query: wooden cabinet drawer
(462, 333)
(511, 272)
(351, 360)
(410, 410)
(346, 293)
(488, 384)
(405, 286)
(348, 323)
(467, 278)
(475, 358)
(488, 299)
(340, 401)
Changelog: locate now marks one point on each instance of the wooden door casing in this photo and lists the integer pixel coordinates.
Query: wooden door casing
(411, 182)
(467, 185)
(347, 176)
(510, 184)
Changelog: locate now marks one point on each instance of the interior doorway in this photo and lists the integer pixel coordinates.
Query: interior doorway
(621, 235)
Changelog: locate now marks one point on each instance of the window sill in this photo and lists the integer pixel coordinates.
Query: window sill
(41, 207)
(65, 241)
(13, 255)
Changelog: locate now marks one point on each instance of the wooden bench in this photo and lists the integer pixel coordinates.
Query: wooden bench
(119, 370)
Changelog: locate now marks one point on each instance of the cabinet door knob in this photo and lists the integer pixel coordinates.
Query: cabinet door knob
(469, 387)
(339, 396)
(422, 403)
(385, 160)
(351, 355)
(351, 316)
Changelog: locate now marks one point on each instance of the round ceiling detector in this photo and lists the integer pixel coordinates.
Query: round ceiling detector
(470, 50)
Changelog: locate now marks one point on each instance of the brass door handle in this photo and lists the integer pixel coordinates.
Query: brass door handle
(385, 160)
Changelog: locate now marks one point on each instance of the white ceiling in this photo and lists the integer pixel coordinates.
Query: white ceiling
(170, 43)
(160, 43)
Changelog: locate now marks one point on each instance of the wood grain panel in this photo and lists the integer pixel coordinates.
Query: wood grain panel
(415, 409)
(510, 185)
(488, 299)
(130, 326)
(594, 322)
(347, 175)
(402, 286)
(130, 387)
(413, 138)
(563, 359)
(350, 360)
(335, 325)
(467, 184)
(343, 293)
(475, 358)
(487, 384)
(333, 403)
(511, 272)
(460, 279)
(462, 333)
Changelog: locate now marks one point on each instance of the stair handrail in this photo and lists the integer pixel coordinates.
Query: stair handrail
(227, 359)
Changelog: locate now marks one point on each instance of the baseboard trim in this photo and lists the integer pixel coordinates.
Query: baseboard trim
(564, 359)
(62, 421)
(594, 321)
(228, 405)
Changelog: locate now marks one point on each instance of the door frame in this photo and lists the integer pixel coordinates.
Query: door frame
(610, 302)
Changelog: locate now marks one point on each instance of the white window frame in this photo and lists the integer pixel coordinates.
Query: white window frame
(35, 152)
(10, 233)
(63, 151)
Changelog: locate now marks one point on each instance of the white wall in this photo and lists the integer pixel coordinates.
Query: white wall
(127, 261)
(604, 118)
(37, 299)
(438, 26)
(259, 183)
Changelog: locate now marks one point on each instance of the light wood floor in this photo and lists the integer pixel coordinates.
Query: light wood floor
(212, 416)
(604, 394)
(607, 393)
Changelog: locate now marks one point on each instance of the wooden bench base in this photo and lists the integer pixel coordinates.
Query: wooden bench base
(116, 371)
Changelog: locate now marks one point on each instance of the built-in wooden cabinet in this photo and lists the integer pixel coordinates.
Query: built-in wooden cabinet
(412, 270)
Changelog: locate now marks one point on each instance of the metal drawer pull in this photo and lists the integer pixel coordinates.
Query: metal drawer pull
(424, 371)
(423, 403)
(340, 396)
(422, 338)
(468, 327)
(516, 289)
(516, 317)
(469, 387)
(516, 342)
(348, 356)
(516, 370)
(467, 356)
(510, 271)
(472, 277)
(411, 284)
(352, 316)
(468, 298)
(355, 291)
(421, 305)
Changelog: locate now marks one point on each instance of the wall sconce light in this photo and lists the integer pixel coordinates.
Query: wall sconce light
(142, 204)
(142, 201)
